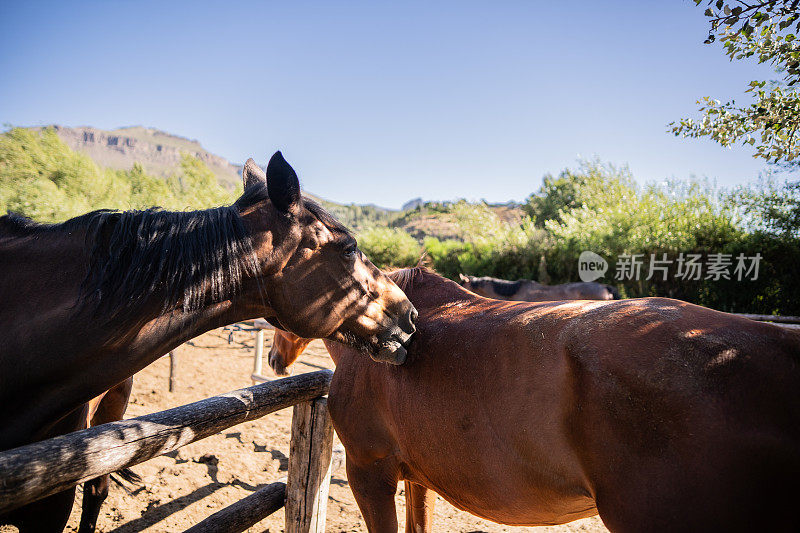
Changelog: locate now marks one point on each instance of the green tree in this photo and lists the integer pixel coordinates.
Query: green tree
(765, 31)
(772, 208)
(390, 247)
(42, 178)
(196, 185)
(587, 185)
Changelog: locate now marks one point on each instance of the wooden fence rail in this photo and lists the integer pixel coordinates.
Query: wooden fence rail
(245, 513)
(36, 470)
(771, 318)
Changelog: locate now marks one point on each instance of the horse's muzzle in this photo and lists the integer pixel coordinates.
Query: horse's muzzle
(392, 352)
(395, 349)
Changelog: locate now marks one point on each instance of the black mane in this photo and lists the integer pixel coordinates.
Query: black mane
(501, 287)
(326, 218)
(191, 258)
(506, 288)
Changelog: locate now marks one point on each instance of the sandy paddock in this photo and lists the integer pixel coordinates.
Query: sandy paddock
(183, 487)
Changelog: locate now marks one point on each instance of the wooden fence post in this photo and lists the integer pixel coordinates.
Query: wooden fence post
(259, 355)
(173, 369)
(309, 467)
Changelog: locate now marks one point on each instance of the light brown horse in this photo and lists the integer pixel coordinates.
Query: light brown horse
(526, 290)
(87, 303)
(108, 407)
(657, 414)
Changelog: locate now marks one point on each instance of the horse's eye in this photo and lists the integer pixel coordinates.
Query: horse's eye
(350, 252)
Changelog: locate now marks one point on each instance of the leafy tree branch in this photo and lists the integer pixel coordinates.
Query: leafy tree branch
(764, 31)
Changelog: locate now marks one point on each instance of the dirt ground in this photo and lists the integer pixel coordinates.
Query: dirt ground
(181, 488)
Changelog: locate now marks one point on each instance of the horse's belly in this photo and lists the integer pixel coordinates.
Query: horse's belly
(507, 493)
(529, 508)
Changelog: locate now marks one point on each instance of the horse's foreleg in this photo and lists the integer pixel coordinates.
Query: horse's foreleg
(113, 404)
(419, 508)
(110, 407)
(374, 490)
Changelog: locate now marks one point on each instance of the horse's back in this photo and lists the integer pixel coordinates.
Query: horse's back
(678, 407)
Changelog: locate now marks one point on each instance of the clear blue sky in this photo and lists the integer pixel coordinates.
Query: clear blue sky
(378, 102)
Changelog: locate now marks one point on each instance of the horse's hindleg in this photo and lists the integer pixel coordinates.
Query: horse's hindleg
(110, 408)
(374, 493)
(95, 492)
(419, 508)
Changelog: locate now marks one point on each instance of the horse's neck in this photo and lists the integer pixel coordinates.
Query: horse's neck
(156, 333)
(39, 274)
(434, 291)
(333, 348)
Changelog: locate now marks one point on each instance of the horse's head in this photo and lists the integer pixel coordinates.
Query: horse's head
(286, 348)
(429, 290)
(316, 281)
(473, 284)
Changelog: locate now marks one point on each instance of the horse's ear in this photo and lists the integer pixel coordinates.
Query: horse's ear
(463, 278)
(252, 173)
(282, 183)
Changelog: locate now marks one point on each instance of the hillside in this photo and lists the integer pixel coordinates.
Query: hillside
(158, 152)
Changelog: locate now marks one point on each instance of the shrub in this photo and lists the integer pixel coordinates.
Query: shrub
(390, 247)
(42, 178)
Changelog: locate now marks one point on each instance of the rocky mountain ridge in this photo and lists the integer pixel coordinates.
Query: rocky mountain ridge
(158, 152)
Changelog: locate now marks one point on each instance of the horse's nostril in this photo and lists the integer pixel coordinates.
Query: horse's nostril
(410, 318)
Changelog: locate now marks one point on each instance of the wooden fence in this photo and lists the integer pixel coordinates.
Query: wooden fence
(259, 325)
(31, 472)
(790, 322)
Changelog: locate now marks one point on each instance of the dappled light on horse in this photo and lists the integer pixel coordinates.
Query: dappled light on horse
(89, 302)
(657, 414)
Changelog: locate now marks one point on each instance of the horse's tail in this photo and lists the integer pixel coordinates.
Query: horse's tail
(614, 292)
(126, 474)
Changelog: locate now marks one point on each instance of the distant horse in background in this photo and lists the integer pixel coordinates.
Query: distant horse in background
(657, 414)
(526, 290)
(108, 407)
(87, 303)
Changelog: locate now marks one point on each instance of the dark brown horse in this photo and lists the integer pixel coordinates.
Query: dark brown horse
(526, 290)
(108, 407)
(87, 303)
(657, 414)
